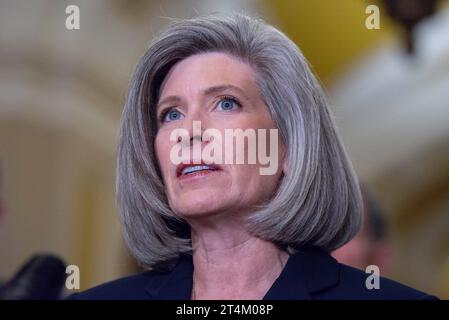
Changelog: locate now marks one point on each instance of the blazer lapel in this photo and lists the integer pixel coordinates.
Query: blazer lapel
(173, 285)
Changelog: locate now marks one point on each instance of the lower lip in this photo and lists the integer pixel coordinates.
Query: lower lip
(199, 175)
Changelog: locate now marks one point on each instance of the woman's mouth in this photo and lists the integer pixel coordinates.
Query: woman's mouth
(190, 170)
(185, 171)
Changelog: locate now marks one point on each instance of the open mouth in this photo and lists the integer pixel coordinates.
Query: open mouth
(190, 169)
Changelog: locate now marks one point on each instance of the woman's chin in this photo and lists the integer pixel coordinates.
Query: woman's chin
(201, 208)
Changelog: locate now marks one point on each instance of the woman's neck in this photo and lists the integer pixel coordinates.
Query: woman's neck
(229, 263)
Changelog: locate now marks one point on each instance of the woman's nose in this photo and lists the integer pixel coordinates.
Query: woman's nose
(194, 125)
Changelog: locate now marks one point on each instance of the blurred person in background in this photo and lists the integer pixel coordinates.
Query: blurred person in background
(370, 245)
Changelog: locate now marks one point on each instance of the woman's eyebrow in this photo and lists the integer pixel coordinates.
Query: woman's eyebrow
(169, 99)
(220, 88)
(207, 92)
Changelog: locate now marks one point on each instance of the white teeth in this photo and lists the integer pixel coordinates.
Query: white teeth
(188, 170)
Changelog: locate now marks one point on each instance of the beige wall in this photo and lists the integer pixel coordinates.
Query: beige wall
(59, 198)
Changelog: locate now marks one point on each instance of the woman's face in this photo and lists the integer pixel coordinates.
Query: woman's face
(219, 91)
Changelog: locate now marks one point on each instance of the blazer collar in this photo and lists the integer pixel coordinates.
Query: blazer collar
(309, 270)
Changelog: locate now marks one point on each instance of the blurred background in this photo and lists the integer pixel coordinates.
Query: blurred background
(62, 91)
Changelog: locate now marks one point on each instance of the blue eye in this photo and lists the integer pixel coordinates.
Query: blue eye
(171, 115)
(228, 104)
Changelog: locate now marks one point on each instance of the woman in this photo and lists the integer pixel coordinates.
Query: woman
(224, 230)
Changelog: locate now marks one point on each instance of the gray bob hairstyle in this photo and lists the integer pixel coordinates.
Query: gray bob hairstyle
(318, 201)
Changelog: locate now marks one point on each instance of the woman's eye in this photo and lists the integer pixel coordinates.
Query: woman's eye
(228, 104)
(171, 115)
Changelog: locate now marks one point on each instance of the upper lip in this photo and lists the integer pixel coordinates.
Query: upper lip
(181, 166)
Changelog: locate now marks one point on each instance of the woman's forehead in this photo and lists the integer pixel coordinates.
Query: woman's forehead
(208, 69)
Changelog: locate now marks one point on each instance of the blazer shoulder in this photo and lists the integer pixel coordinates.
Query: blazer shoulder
(353, 285)
(131, 287)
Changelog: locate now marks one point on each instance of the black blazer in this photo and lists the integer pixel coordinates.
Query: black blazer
(311, 273)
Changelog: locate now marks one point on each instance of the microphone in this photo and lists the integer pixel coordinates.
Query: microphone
(40, 278)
